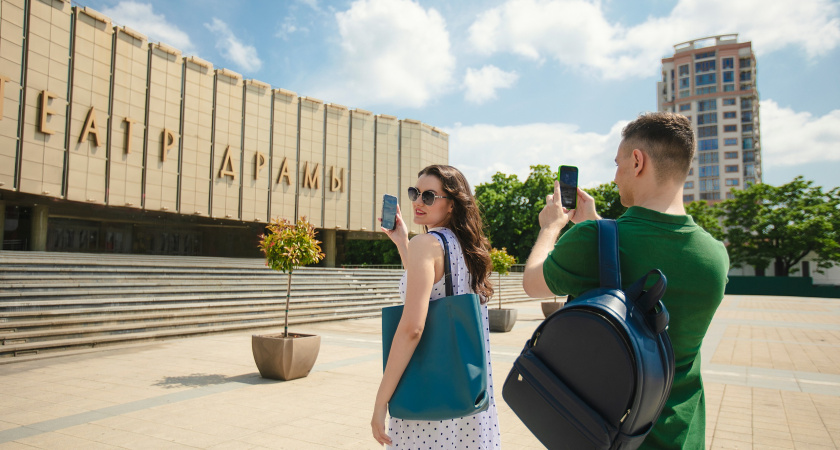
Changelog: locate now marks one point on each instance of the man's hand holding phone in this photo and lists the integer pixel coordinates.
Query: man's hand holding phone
(585, 208)
(554, 216)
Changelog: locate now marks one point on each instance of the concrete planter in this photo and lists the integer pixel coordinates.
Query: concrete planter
(548, 308)
(502, 320)
(285, 358)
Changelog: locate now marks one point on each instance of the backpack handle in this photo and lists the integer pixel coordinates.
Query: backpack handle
(650, 301)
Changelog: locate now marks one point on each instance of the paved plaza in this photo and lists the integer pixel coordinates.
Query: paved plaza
(771, 366)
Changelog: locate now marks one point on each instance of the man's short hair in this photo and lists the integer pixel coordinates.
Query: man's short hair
(668, 140)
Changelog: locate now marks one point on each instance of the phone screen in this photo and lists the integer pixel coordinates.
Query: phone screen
(568, 186)
(389, 212)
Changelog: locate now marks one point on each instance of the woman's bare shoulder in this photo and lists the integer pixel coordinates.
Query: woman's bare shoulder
(424, 243)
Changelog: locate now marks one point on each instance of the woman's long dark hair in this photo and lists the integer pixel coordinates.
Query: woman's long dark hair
(465, 222)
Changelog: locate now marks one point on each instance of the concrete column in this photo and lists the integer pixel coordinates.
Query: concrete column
(39, 228)
(2, 222)
(328, 247)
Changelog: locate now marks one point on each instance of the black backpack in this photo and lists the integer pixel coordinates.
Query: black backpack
(596, 373)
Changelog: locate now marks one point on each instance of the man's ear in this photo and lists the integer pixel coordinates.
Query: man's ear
(639, 161)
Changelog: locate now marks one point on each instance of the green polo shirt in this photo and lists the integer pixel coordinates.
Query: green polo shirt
(695, 265)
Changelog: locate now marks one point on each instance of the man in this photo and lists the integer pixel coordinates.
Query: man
(652, 162)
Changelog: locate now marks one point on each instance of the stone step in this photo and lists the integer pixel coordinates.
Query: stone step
(57, 345)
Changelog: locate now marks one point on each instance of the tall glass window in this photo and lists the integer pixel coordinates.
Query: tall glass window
(746, 103)
(747, 143)
(684, 70)
(706, 118)
(707, 158)
(729, 77)
(710, 185)
(707, 105)
(704, 66)
(744, 62)
(685, 107)
(727, 63)
(746, 116)
(707, 144)
(709, 131)
(702, 80)
(746, 76)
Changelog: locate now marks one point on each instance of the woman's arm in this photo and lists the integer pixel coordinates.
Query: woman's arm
(424, 259)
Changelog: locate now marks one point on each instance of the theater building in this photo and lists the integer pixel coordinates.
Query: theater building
(112, 143)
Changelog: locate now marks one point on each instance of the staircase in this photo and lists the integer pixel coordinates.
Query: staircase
(52, 302)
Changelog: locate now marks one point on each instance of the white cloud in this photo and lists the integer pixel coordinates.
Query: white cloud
(576, 33)
(482, 150)
(231, 48)
(290, 27)
(790, 138)
(141, 17)
(481, 84)
(394, 52)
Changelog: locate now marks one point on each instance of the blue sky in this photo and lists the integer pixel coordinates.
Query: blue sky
(520, 82)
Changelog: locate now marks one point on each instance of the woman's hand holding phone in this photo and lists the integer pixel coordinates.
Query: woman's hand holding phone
(399, 235)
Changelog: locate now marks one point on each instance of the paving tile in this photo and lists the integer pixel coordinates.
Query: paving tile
(773, 382)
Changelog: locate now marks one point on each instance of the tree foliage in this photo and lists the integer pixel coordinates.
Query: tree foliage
(501, 260)
(288, 245)
(607, 201)
(782, 225)
(511, 208)
(380, 251)
(706, 216)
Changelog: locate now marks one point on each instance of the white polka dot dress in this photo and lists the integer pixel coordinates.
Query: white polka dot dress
(479, 431)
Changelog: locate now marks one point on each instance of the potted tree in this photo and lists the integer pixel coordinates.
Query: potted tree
(287, 356)
(501, 319)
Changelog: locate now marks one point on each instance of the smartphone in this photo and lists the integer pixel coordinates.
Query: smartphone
(568, 176)
(389, 212)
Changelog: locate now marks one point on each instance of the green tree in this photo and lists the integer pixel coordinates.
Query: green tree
(287, 246)
(607, 201)
(501, 265)
(375, 251)
(782, 225)
(511, 208)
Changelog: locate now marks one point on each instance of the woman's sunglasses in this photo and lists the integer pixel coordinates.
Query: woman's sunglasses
(428, 197)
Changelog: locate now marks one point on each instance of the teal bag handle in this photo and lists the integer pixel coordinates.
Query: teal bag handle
(446, 377)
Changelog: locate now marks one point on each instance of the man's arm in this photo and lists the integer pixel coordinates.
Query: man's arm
(553, 218)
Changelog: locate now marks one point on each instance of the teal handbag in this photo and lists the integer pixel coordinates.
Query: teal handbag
(446, 377)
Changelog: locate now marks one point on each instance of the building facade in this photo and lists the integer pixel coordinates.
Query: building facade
(712, 81)
(111, 143)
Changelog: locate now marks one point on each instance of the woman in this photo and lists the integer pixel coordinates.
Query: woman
(442, 202)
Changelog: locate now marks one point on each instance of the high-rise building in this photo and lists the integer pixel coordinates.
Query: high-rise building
(712, 81)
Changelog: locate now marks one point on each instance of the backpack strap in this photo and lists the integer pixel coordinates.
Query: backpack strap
(648, 301)
(447, 271)
(609, 266)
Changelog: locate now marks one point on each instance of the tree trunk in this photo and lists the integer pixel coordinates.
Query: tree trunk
(286, 319)
(500, 290)
(781, 270)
